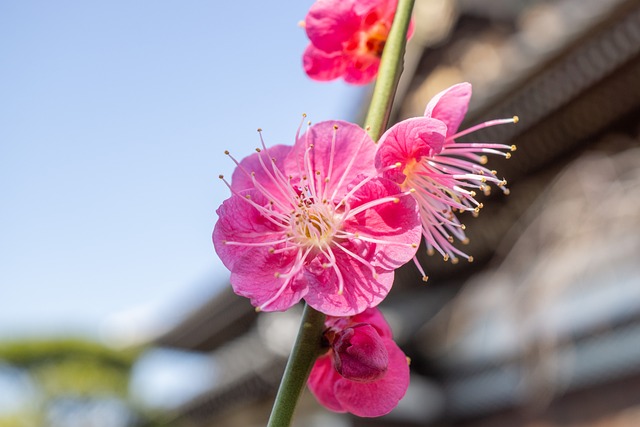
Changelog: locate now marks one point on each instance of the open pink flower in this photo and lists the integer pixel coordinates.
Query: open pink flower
(364, 372)
(347, 38)
(444, 173)
(315, 221)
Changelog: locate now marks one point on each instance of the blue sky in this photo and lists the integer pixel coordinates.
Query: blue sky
(113, 121)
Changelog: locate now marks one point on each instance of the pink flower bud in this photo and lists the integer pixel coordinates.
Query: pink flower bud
(364, 372)
(360, 354)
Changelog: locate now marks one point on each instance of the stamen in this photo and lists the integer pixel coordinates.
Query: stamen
(420, 269)
(489, 123)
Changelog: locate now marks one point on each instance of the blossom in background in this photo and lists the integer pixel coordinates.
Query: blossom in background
(364, 372)
(315, 221)
(347, 38)
(444, 173)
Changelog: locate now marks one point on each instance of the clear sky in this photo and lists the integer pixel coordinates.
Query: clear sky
(114, 117)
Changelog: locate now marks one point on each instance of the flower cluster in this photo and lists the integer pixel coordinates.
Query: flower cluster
(347, 38)
(364, 372)
(330, 218)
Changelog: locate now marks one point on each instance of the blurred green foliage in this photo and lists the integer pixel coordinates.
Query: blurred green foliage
(70, 375)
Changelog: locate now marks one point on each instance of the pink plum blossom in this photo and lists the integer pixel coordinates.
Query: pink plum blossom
(364, 372)
(444, 173)
(316, 221)
(347, 38)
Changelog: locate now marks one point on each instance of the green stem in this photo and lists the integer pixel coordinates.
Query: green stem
(391, 65)
(306, 349)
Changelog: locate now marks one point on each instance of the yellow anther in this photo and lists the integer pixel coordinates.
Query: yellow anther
(514, 148)
(470, 259)
(516, 119)
(455, 260)
(425, 278)
(446, 257)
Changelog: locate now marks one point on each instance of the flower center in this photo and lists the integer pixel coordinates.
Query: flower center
(375, 39)
(314, 224)
(409, 171)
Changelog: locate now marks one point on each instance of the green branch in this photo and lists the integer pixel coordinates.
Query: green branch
(391, 66)
(306, 349)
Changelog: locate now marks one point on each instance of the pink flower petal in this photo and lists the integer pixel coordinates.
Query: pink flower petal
(381, 9)
(239, 229)
(323, 66)
(351, 154)
(272, 294)
(361, 289)
(265, 175)
(362, 69)
(374, 317)
(376, 398)
(397, 224)
(321, 380)
(330, 23)
(450, 106)
(407, 142)
(239, 221)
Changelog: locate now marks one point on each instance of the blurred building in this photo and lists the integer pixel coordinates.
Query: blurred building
(543, 328)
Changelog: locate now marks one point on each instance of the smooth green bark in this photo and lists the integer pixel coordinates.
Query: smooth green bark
(306, 349)
(391, 66)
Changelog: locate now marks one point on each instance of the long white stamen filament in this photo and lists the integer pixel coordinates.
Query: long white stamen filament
(277, 178)
(325, 184)
(487, 124)
(269, 214)
(369, 239)
(363, 207)
(362, 183)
